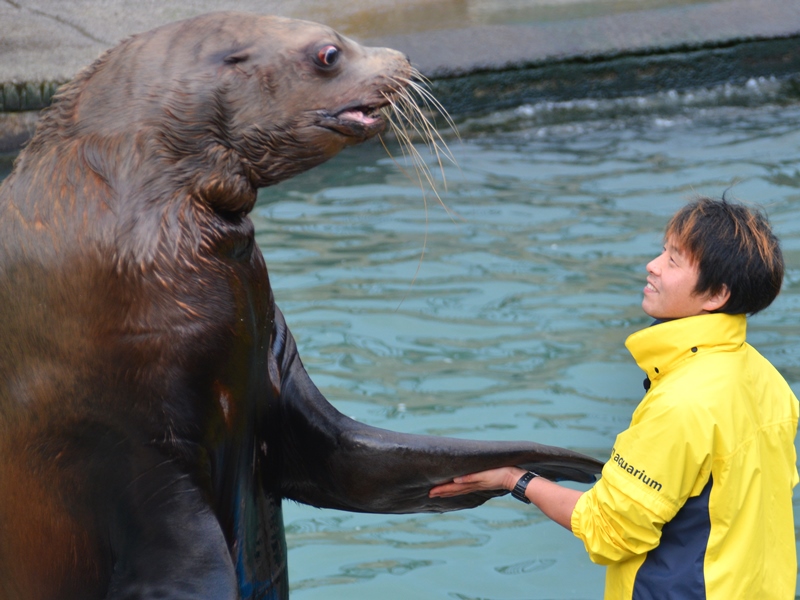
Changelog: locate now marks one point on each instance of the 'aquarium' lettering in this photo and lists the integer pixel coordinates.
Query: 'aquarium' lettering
(638, 473)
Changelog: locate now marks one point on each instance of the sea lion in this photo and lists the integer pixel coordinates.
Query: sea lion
(154, 410)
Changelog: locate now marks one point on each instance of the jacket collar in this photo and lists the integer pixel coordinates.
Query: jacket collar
(658, 349)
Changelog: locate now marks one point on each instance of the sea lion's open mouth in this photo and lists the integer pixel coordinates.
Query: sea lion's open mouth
(359, 121)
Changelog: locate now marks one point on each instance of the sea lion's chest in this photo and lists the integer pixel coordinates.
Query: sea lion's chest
(184, 346)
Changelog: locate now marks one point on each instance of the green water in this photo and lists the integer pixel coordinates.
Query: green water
(511, 325)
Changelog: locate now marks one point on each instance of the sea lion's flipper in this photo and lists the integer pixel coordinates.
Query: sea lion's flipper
(167, 543)
(327, 459)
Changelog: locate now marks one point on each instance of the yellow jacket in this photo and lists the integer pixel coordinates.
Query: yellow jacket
(696, 500)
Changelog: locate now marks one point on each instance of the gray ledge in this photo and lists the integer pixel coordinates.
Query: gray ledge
(690, 43)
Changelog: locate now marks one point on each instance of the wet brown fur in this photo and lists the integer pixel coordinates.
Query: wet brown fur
(127, 254)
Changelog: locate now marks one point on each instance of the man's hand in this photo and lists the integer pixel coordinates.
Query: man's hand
(555, 501)
(504, 478)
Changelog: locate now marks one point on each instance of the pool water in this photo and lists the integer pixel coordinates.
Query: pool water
(504, 316)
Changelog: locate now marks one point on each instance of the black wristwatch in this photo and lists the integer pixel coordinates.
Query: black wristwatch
(522, 483)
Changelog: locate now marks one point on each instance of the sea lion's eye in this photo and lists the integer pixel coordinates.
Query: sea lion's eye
(235, 59)
(327, 56)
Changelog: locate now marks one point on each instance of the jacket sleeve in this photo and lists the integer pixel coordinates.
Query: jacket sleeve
(612, 526)
(659, 462)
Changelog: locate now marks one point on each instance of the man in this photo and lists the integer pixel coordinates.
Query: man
(696, 500)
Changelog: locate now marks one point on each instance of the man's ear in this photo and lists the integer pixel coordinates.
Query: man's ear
(718, 300)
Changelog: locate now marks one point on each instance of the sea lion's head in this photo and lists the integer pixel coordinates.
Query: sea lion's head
(229, 102)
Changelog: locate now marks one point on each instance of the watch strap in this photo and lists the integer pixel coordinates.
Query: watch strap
(522, 484)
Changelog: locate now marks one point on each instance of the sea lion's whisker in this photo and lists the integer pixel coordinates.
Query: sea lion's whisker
(425, 204)
(410, 153)
(406, 107)
(419, 163)
(406, 147)
(400, 129)
(403, 102)
(431, 133)
(426, 129)
(428, 99)
(403, 142)
(413, 93)
(433, 104)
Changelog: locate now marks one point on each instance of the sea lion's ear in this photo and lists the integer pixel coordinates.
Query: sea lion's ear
(236, 57)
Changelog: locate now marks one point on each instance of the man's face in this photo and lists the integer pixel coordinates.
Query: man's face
(671, 280)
